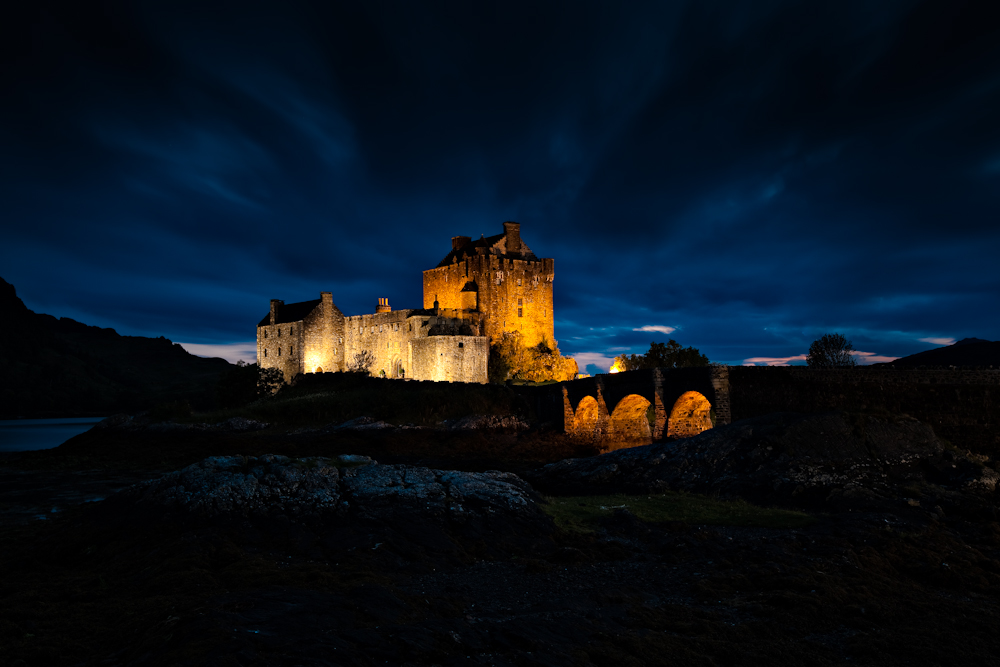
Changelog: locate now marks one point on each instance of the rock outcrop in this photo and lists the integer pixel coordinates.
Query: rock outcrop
(490, 422)
(780, 458)
(334, 498)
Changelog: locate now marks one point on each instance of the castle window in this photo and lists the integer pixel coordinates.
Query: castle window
(520, 302)
(518, 282)
(279, 333)
(461, 344)
(520, 312)
(265, 352)
(341, 340)
(279, 351)
(291, 350)
(265, 333)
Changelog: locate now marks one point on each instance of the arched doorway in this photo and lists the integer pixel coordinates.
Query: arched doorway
(629, 423)
(585, 422)
(397, 368)
(692, 414)
(319, 369)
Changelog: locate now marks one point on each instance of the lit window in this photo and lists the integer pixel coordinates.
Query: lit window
(520, 302)
(520, 312)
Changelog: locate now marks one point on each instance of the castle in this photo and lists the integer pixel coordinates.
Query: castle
(480, 290)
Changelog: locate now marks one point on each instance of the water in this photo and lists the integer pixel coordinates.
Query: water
(21, 435)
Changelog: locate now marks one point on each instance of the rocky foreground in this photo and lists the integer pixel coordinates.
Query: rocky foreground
(329, 502)
(825, 462)
(341, 560)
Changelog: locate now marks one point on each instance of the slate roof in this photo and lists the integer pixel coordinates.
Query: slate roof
(469, 249)
(290, 312)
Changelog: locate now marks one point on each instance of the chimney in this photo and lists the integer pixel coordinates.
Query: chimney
(458, 241)
(512, 231)
(275, 304)
(383, 306)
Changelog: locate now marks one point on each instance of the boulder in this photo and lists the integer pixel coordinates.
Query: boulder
(340, 497)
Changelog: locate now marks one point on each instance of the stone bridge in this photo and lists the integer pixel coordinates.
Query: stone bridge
(624, 409)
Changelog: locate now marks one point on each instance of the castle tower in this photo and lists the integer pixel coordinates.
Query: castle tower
(497, 280)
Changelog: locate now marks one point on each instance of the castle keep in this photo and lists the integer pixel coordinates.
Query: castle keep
(480, 290)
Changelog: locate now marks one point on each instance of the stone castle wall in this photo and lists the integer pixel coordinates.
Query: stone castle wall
(387, 336)
(280, 346)
(323, 341)
(451, 358)
(497, 286)
(511, 294)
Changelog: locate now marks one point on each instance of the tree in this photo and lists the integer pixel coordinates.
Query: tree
(661, 355)
(510, 359)
(245, 383)
(831, 351)
(362, 362)
(269, 381)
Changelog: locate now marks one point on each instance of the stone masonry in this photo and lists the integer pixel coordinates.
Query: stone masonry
(500, 279)
(477, 292)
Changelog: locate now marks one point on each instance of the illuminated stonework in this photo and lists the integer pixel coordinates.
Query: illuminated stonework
(498, 281)
(478, 291)
(692, 414)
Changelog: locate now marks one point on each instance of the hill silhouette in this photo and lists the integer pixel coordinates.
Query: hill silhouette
(62, 368)
(966, 352)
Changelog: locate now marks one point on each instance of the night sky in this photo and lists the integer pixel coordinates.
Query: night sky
(739, 176)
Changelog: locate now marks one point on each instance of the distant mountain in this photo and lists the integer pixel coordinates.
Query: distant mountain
(966, 352)
(59, 367)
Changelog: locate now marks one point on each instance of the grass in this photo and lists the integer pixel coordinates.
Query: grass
(585, 514)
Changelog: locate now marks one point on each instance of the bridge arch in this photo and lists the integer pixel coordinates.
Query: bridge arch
(691, 414)
(586, 418)
(629, 425)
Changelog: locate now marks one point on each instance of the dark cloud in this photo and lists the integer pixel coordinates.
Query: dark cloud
(751, 175)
